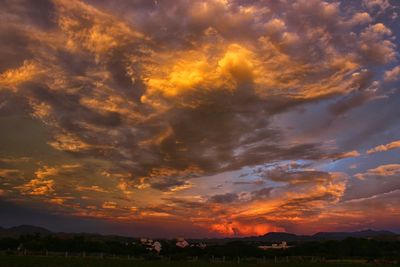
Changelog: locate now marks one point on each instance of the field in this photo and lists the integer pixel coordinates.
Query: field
(35, 261)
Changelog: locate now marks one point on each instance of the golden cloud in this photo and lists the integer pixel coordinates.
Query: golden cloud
(386, 147)
(12, 78)
(37, 187)
(93, 188)
(380, 171)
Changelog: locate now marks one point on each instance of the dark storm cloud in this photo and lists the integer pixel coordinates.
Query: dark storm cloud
(296, 176)
(69, 104)
(205, 136)
(373, 186)
(291, 173)
(40, 13)
(166, 183)
(224, 198)
(11, 104)
(262, 193)
(13, 48)
(365, 89)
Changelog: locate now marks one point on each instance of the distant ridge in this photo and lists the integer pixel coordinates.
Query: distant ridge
(359, 234)
(281, 236)
(275, 237)
(268, 237)
(23, 230)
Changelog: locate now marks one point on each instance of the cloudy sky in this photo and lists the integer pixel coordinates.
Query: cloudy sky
(200, 117)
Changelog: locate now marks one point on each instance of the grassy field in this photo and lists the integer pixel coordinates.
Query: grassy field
(29, 261)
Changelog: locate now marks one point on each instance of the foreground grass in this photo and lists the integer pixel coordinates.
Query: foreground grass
(32, 261)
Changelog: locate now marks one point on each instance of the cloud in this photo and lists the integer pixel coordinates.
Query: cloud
(187, 107)
(224, 198)
(377, 5)
(385, 147)
(94, 188)
(278, 209)
(37, 187)
(109, 205)
(11, 160)
(58, 201)
(12, 78)
(359, 18)
(373, 45)
(45, 179)
(365, 90)
(6, 174)
(47, 171)
(153, 98)
(357, 210)
(293, 173)
(343, 155)
(392, 75)
(242, 229)
(380, 171)
(301, 194)
(61, 201)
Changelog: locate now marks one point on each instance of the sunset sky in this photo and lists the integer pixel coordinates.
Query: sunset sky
(200, 118)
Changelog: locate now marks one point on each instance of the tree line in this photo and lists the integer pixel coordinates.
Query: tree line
(348, 248)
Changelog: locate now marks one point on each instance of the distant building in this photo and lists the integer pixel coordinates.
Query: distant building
(182, 243)
(199, 245)
(282, 245)
(151, 245)
(157, 246)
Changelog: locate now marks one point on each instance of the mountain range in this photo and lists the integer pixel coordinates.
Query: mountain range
(23, 230)
(268, 237)
(281, 236)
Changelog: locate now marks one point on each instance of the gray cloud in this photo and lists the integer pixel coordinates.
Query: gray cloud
(224, 198)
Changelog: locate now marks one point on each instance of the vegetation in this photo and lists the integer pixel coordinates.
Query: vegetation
(26, 261)
(86, 250)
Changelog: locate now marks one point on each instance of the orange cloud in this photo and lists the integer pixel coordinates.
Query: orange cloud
(11, 78)
(386, 147)
(244, 229)
(10, 173)
(59, 200)
(46, 171)
(343, 155)
(70, 142)
(392, 75)
(100, 34)
(380, 171)
(109, 205)
(94, 188)
(171, 102)
(37, 187)
(207, 68)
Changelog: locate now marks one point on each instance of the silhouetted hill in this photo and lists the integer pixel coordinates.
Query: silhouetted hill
(23, 230)
(277, 237)
(17, 231)
(321, 236)
(272, 237)
(343, 235)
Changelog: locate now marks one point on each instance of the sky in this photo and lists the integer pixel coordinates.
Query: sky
(200, 118)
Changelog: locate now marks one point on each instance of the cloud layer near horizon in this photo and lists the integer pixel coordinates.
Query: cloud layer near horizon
(147, 111)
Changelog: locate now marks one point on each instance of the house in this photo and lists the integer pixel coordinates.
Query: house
(282, 245)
